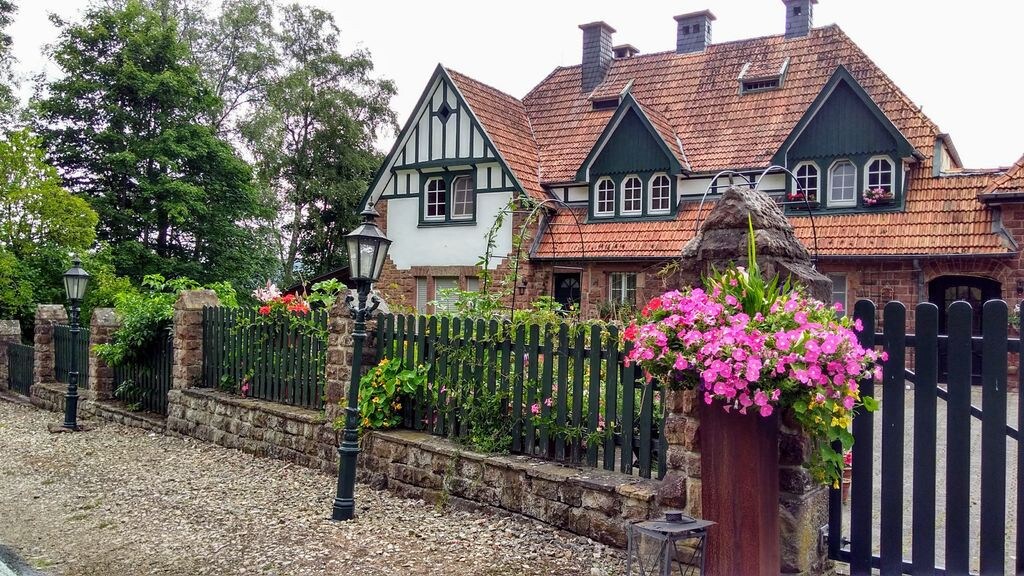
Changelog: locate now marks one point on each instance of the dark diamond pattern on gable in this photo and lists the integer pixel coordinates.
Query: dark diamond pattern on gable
(444, 112)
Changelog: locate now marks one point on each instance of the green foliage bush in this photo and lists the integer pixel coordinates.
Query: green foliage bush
(147, 314)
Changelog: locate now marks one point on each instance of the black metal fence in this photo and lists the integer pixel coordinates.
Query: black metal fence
(144, 384)
(20, 364)
(966, 530)
(62, 343)
(567, 393)
(275, 361)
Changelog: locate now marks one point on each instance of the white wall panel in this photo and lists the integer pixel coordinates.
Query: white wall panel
(445, 245)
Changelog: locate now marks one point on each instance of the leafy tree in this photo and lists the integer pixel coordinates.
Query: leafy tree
(35, 211)
(125, 126)
(312, 137)
(7, 96)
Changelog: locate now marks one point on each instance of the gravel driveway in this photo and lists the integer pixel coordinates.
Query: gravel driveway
(121, 501)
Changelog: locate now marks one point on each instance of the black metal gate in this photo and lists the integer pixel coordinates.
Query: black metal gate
(20, 365)
(954, 517)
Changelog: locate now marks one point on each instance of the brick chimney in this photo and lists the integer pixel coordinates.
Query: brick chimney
(693, 31)
(799, 17)
(597, 53)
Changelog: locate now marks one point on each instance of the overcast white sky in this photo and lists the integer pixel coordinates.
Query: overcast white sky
(960, 60)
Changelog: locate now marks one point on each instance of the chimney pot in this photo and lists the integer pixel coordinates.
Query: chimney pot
(799, 17)
(597, 53)
(693, 31)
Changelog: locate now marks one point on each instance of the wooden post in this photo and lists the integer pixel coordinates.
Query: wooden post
(739, 460)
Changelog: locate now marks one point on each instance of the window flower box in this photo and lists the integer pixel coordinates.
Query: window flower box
(878, 197)
(800, 201)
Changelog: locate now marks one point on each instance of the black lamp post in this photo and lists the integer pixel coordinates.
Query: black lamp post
(367, 250)
(75, 281)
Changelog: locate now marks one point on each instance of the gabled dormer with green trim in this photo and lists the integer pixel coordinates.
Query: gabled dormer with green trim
(845, 153)
(440, 154)
(444, 182)
(633, 168)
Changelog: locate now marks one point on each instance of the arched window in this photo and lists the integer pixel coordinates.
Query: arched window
(437, 197)
(880, 174)
(808, 182)
(632, 195)
(463, 199)
(661, 194)
(605, 197)
(842, 184)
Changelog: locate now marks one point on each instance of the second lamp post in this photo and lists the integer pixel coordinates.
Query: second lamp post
(75, 281)
(367, 251)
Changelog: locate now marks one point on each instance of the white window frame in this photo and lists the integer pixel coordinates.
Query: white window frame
(639, 199)
(468, 202)
(598, 201)
(817, 178)
(427, 203)
(833, 276)
(892, 173)
(622, 279)
(421, 294)
(841, 203)
(668, 195)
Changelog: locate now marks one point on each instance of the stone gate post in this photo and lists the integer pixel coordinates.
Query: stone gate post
(102, 325)
(47, 316)
(10, 331)
(187, 368)
(784, 526)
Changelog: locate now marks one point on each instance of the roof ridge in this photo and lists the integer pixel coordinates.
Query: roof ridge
(1009, 174)
(484, 84)
(542, 81)
(893, 87)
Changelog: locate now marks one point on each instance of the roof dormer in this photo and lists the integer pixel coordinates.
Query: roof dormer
(762, 76)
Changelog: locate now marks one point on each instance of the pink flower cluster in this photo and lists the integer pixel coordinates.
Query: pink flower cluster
(704, 340)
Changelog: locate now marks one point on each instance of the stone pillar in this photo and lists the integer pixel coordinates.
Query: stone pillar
(339, 356)
(101, 331)
(47, 315)
(802, 505)
(187, 370)
(10, 331)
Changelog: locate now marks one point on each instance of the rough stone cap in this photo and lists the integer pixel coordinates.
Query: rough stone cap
(10, 328)
(105, 317)
(196, 299)
(723, 239)
(52, 312)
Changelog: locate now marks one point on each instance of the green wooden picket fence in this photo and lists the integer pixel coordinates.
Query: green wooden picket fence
(276, 362)
(564, 389)
(146, 382)
(62, 343)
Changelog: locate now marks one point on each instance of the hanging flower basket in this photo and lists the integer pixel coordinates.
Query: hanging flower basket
(758, 346)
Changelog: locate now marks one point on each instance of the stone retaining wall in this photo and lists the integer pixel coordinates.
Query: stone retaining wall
(592, 503)
(262, 428)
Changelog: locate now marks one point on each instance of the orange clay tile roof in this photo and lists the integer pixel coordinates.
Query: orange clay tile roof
(1011, 181)
(505, 121)
(698, 95)
(942, 217)
(667, 133)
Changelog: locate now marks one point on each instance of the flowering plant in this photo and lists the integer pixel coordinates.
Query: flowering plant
(799, 194)
(874, 196)
(759, 346)
(273, 303)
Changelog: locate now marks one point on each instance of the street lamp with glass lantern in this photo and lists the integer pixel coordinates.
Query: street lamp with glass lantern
(367, 251)
(75, 281)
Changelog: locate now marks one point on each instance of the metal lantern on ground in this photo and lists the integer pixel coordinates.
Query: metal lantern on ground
(76, 279)
(367, 251)
(652, 546)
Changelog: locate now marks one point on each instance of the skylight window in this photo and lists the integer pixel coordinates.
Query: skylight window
(760, 85)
